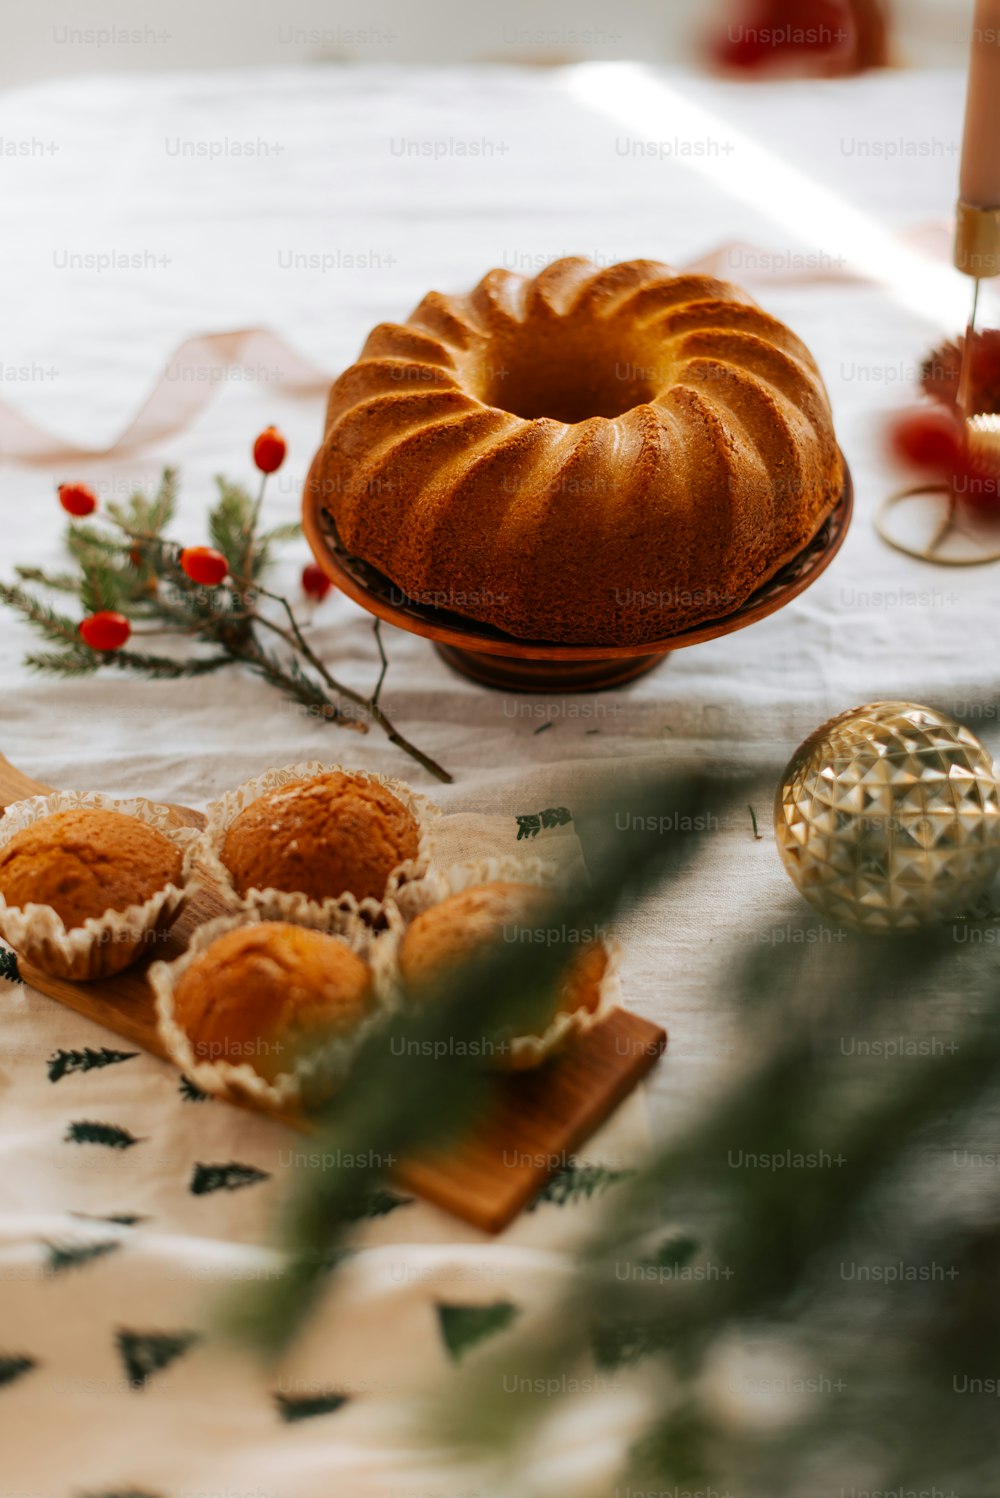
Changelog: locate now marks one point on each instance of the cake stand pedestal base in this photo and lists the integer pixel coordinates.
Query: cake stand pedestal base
(520, 674)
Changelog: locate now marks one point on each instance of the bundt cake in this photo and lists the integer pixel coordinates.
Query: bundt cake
(591, 456)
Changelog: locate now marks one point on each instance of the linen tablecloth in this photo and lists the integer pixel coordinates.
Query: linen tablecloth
(315, 203)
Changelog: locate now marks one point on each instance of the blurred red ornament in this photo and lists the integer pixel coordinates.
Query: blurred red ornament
(829, 37)
(315, 583)
(204, 565)
(930, 439)
(77, 499)
(105, 630)
(269, 450)
(965, 461)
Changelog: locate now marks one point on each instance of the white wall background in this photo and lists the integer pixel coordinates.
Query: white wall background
(53, 38)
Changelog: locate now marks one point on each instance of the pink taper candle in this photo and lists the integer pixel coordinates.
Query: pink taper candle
(979, 182)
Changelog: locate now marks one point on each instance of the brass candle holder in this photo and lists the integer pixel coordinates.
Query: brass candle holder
(954, 540)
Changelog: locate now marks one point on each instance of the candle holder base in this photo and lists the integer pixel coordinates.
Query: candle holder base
(926, 522)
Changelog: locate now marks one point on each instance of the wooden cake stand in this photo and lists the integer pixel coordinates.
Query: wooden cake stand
(496, 659)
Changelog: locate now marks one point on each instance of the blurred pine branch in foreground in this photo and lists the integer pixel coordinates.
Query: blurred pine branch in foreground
(803, 1277)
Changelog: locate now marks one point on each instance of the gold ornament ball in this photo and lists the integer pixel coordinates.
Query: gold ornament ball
(888, 817)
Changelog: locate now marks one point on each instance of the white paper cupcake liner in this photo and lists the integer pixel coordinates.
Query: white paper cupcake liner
(334, 913)
(313, 1079)
(104, 944)
(411, 899)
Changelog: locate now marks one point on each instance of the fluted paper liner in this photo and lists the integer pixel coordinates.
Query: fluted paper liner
(314, 1078)
(411, 899)
(286, 905)
(104, 944)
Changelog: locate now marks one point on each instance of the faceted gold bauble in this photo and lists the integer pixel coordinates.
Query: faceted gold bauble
(888, 817)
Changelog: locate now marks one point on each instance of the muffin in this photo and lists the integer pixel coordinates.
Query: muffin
(331, 835)
(270, 995)
(448, 933)
(84, 862)
(84, 888)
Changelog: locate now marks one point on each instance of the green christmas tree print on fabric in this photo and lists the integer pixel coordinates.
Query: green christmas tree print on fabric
(146, 1353)
(14, 1366)
(120, 1219)
(463, 1327)
(307, 1406)
(64, 1062)
(84, 1131)
(621, 1344)
(64, 1256)
(530, 824)
(208, 1178)
(378, 1204)
(8, 966)
(121, 1493)
(575, 1183)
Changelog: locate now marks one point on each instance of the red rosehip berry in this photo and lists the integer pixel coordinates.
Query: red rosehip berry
(77, 499)
(315, 583)
(105, 630)
(269, 450)
(204, 565)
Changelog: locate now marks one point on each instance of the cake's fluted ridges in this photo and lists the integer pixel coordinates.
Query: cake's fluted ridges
(465, 539)
(660, 294)
(396, 340)
(557, 289)
(606, 291)
(753, 356)
(401, 478)
(447, 318)
(385, 416)
(612, 529)
(370, 378)
(500, 298)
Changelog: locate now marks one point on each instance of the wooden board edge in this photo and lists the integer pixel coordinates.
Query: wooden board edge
(424, 1181)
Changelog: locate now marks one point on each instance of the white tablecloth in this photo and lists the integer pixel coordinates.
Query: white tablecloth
(318, 203)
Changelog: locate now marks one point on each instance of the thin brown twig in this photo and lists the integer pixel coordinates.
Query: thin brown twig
(294, 637)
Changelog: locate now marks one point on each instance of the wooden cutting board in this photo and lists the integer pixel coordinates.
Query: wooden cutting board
(536, 1121)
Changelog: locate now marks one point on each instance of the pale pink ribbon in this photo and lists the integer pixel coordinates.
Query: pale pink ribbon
(199, 365)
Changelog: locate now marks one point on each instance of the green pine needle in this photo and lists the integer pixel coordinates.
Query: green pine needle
(53, 626)
(78, 662)
(60, 582)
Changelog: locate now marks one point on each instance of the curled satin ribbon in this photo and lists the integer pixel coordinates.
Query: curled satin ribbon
(181, 393)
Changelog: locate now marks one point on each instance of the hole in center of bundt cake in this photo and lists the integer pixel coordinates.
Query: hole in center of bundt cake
(568, 378)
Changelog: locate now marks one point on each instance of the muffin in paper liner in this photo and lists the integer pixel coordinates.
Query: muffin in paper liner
(411, 899)
(102, 945)
(337, 912)
(313, 1080)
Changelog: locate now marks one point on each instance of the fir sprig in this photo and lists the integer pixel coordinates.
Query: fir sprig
(127, 565)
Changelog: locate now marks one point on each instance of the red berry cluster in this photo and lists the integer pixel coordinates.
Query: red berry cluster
(107, 630)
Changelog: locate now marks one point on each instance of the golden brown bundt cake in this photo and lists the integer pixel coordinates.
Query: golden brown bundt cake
(86, 862)
(268, 994)
(592, 456)
(448, 933)
(323, 837)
